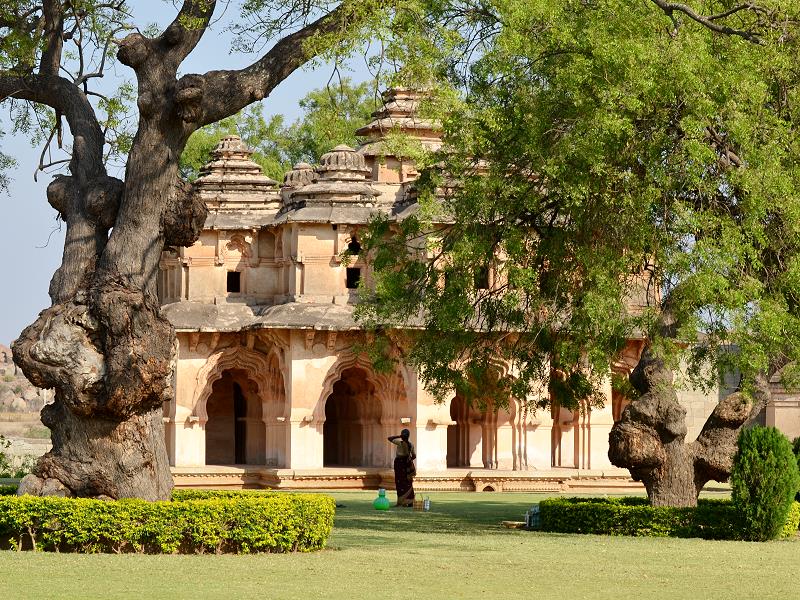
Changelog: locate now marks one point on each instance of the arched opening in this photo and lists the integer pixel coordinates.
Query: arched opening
(235, 432)
(471, 441)
(352, 434)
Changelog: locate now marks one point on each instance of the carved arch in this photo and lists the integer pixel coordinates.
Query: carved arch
(265, 370)
(389, 387)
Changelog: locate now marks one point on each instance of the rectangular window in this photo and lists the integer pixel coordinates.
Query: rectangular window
(353, 277)
(234, 284)
(482, 278)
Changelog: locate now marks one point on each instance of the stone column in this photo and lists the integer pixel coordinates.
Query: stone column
(430, 429)
(505, 438)
(599, 422)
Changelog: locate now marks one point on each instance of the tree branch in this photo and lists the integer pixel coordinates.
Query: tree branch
(186, 30)
(224, 93)
(53, 35)
(67, 99)
(710, 22)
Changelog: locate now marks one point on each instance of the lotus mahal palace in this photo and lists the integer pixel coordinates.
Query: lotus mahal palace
(270, 389)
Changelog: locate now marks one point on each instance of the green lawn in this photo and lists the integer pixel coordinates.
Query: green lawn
(459, 550)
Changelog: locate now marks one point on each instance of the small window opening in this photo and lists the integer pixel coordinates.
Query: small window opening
(353, 277)
(234, 285)
(354, 247)
(482, 278)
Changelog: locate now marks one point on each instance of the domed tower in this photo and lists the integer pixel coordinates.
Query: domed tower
(232, 182)
(398, 115)
(339, 182)
(321, 213)
(233, 261)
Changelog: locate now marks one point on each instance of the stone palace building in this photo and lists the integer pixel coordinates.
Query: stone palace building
(270, 391)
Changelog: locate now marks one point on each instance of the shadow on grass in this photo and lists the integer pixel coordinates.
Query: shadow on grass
(478, 514)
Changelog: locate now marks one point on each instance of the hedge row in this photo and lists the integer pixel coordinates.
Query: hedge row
(179, 495)
(276, 522)
(712, 519)
(792, 521)
(8, 490)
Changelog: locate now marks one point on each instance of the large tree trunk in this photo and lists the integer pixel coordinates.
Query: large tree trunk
(103, 345)
(649, 439)
(98, 457)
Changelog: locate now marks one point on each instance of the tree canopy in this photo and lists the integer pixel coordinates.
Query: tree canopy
(330, 117)
(603, 154)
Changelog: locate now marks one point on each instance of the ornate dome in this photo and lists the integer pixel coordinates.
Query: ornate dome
(301, 174)
(231, 180)
(343, 163)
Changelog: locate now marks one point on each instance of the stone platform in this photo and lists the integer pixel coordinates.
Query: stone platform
(464, 480)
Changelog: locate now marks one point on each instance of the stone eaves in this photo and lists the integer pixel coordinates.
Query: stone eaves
(231, 317)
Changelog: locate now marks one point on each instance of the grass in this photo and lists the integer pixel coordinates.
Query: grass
(458, 550)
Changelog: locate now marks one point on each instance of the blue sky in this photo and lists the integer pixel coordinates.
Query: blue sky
(31, 241)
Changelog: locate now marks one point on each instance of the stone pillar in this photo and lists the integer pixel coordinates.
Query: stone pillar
(187, 431)
(563, 438)
(430, 429)
(599, 422)
(537, 432)
(505, 439)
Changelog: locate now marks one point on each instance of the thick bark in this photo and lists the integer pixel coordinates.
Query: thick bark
(92, 456)
(649, 439)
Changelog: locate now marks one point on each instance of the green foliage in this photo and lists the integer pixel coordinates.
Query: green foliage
(8, 490)
(764, 481)
(711, 519)
(792, 521)
(596, 158)
(179, 495)
(6, 163)
(237, 523)
(87, 56)
(6, 468)
(330, 117)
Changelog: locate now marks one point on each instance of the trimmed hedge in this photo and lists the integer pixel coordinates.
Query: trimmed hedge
(764, 481)
(792, 521)
(180, 495)
(240, 523)
(711, 519)
(8, 490)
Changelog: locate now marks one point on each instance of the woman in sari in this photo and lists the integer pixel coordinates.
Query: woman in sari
(404, 469)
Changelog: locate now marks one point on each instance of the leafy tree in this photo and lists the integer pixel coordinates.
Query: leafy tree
(267, 139)
(624, 170)
(330, 117)
(103, 344)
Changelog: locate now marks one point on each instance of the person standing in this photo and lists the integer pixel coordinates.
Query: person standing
(404, 469)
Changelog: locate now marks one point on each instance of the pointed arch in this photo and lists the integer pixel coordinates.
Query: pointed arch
(266, 371)
(389, 387)
(360, 420)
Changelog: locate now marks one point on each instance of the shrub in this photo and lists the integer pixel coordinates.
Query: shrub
(712, 519)
(277, 522)
(792, 521)
(178, 495)
(8, 490)
(764, 481)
